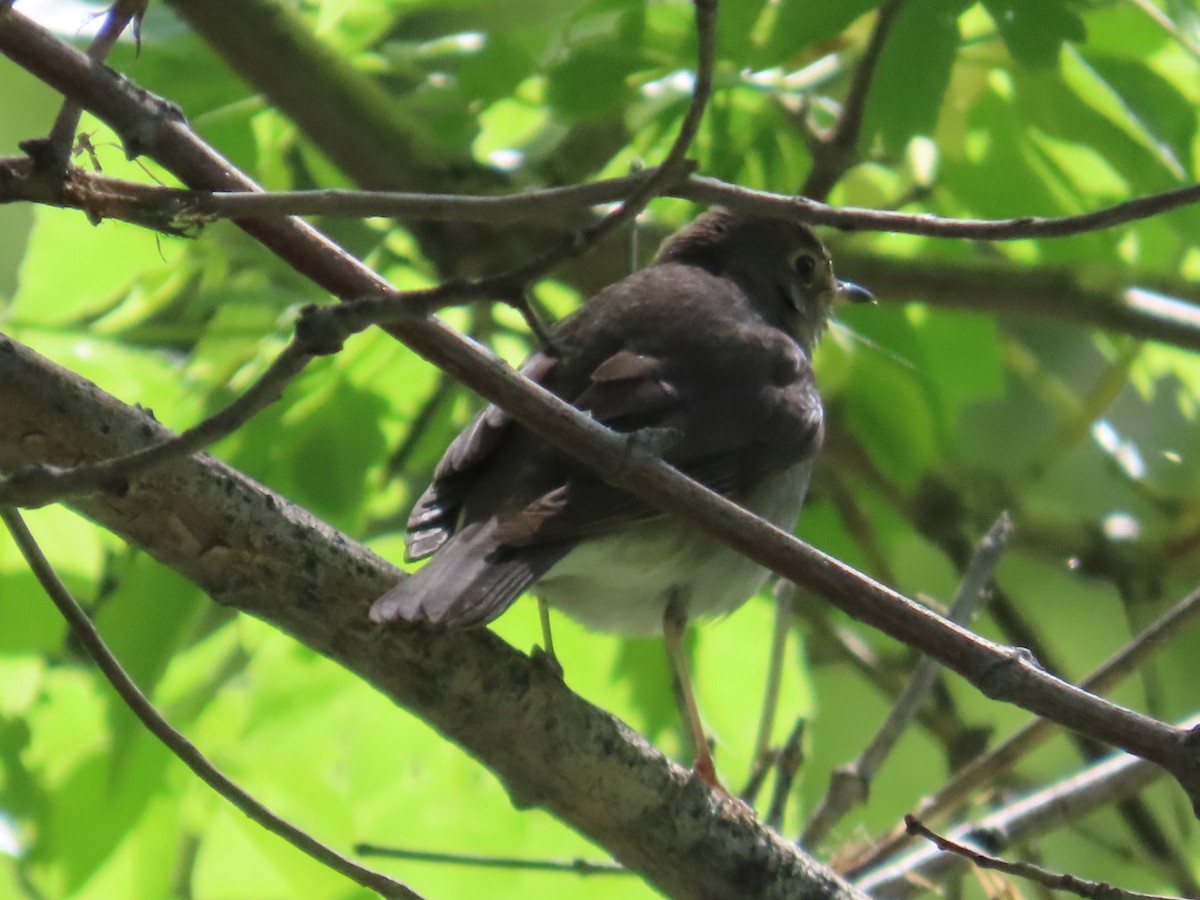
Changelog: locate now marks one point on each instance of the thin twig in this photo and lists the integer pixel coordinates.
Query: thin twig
(790, 759)
(319, 331)
(849, 784)
(169, 208)
(837, 151)
(188, 754)
(1019, 822)
(53, 155)
(38, 485)
(471, 860)
(1055, 881)
(987, 768)
(710, 190)
(764, 757)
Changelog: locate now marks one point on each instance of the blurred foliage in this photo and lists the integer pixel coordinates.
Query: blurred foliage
(939, 419)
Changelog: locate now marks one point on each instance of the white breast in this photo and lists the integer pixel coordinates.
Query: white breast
(622, 582)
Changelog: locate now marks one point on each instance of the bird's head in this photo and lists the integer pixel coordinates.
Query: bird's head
(782, 266)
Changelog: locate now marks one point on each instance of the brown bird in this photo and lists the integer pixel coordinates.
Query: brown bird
(708, 349)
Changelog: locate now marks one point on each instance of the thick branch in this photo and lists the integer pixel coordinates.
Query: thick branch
(241, 543)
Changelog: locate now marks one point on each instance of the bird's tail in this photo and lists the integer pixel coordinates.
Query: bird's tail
(469, 581)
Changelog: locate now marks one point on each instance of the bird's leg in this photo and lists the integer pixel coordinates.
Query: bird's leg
(547, 655)
(674, 626)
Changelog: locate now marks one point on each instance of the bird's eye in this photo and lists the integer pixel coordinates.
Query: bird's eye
(805, 267)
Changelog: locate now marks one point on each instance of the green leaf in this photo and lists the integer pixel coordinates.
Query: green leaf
(798, 24)
(913, 73)
(1035, 30)
(960, 359)
(1071, 114)
(495, 70)
(890, 413)
(102, 259)
(1161, 110)
(592, 82)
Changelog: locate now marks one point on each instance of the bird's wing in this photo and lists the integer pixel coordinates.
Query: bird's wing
(761, 414)
(468, 582)
(435, 517)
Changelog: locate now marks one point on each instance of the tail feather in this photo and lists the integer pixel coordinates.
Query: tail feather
(470, 581)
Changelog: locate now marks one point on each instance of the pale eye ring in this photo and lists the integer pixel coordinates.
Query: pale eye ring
(805, 266)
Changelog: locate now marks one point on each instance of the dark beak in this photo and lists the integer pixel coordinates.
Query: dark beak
(850, 292)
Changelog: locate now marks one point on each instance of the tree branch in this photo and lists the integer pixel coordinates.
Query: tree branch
(1055, 881)
(1037, 814)
(988, 767)
(180, 208)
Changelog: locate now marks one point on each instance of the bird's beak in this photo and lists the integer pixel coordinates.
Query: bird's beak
(850, 292)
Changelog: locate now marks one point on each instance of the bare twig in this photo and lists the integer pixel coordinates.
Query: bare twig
(319, 331)
(471, 860)
(850, 784)
(52, 155)
(837, 151)
(764, 757)
(1097, 786)
(787, 765)
(1055, 881)
(710, 190)
(986, 769)
(162, 207)
(40, 484)
(188, 754)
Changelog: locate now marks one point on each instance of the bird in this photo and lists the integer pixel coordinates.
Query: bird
(708, 350)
